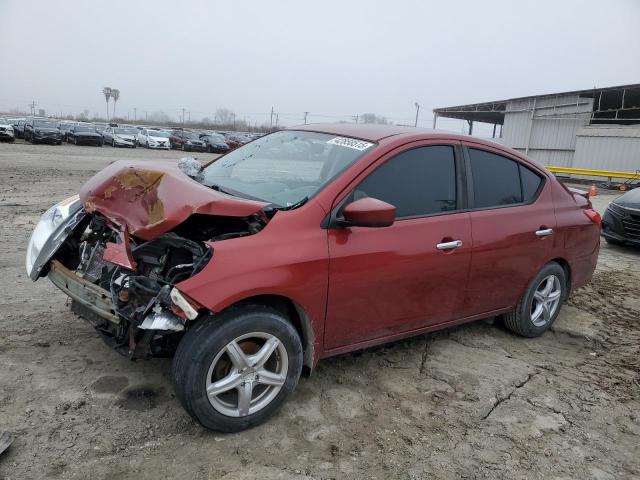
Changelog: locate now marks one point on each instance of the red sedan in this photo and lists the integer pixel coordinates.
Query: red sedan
(308, 243)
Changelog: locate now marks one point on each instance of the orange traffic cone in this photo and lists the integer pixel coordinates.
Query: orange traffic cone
(593, 191)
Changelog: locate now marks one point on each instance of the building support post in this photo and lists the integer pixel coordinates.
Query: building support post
(435, 120)
(494, 130)
(470, 122)
(533, 114)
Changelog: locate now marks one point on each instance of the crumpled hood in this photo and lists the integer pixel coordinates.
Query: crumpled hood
(631, 199)
(151, 198)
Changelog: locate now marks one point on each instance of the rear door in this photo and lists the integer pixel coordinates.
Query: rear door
(386, 281)
(513, 225)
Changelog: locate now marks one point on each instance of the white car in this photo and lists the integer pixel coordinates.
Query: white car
(154, 139)
(6, 131)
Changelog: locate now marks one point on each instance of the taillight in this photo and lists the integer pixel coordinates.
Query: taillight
(593, 216)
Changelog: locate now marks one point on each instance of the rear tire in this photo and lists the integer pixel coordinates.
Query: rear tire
(541, 303)
(205, 356)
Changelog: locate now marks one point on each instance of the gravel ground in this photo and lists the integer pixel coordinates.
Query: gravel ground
(467, 402)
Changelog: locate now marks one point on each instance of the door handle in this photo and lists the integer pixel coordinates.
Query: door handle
(449, 245)
(545, 232)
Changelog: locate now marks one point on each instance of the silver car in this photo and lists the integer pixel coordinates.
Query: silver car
(120, 137)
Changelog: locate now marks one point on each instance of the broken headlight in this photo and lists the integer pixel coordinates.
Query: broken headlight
(51, 231)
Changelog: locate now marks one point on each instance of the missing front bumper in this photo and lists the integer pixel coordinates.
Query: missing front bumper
(90, 296)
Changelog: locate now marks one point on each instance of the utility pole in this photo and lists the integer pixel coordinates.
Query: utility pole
(271, 119)
(134, 114)
(145, 115)
(417, 112)
(305, 117)
(356, 118)
(33, 105)
(183, 118)
(277, 116)
(189, 115)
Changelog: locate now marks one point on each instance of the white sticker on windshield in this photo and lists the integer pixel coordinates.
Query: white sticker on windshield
(350, 143)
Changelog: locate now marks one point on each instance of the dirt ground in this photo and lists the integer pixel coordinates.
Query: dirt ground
(468, 402)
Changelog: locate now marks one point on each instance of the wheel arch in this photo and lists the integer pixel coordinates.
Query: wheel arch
(295, 314)
(567, 271)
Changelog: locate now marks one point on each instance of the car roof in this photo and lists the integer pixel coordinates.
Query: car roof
(376, 133)
(364, 131)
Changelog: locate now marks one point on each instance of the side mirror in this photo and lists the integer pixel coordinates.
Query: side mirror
(369, 212)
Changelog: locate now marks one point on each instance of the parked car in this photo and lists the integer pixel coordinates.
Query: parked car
(42, 130)
(120, 137)
(153, 139)
(84, 135)
(64, 129)
(6, 131)
(264, 262)
(232, 141)
(621, 220)
(186, 140)
(214, 143)
(18, 127)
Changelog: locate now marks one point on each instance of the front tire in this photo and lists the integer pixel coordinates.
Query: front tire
(234, 370)
(540, 305)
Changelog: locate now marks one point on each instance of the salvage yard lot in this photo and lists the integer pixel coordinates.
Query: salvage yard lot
(474, 401)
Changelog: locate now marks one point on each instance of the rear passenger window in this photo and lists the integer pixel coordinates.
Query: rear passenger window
(496, 179)
(418, 182)
(530, 184)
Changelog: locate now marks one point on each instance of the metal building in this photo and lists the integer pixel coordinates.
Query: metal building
(595, 129)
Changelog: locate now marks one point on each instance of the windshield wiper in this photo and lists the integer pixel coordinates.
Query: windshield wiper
(293, 206)
(218, 188)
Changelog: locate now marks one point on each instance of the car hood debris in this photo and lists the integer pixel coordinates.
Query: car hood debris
(150, 199)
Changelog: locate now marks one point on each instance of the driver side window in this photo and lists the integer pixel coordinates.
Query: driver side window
(418, 182)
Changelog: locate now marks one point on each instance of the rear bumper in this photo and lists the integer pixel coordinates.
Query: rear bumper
(90, 296)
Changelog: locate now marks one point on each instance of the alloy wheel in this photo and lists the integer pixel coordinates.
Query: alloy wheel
(247, 374)
(546, 300)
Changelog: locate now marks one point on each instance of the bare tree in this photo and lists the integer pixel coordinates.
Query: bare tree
(106, 91)
(159, 117)
(115, 93)
(224, 116)
(373, 118)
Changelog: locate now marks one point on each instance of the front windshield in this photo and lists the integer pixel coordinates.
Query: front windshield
(45, 123)
(84, 129)
(216, 138)
(158, 133)
(286, 167)
(191, 136)
(125, 131)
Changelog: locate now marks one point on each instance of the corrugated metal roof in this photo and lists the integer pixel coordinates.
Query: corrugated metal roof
(631, 131)
(493, 112)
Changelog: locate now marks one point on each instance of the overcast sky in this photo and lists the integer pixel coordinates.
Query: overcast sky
(331, 58)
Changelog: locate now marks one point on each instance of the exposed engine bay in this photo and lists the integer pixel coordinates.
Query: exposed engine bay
(136, 278)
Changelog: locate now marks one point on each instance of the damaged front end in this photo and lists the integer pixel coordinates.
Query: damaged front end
(120, 251)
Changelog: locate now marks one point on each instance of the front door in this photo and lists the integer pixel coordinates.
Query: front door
(385, 281)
